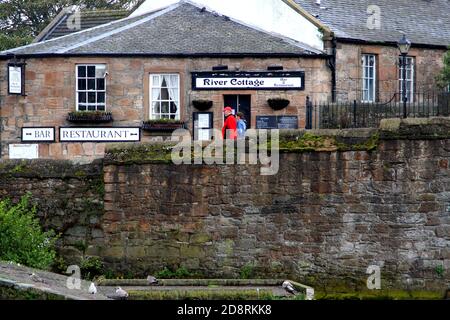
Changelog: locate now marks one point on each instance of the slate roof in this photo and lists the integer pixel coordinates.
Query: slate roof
(183, 29)
(88, 19)
(425, 22)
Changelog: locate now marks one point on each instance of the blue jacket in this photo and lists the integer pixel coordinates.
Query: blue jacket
(241, 128)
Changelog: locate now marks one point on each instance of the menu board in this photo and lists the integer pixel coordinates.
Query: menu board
(276, 122)
(266, 122)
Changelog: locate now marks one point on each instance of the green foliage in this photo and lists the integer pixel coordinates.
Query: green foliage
(439, 270)
(180, 273)
(247, 271)
(91, 267)
(443, 78)
(21, 237)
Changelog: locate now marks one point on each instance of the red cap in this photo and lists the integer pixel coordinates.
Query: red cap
(228, 109)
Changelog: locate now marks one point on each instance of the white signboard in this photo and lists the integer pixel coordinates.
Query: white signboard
(15, 80)
(23, 151)
(99, 134)
(38, 134)
(248, 83)
(288, 80)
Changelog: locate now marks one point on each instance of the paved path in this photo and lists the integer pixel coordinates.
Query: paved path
(19, 278)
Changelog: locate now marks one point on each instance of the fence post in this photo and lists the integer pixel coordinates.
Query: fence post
(309, 119)
(354, 113)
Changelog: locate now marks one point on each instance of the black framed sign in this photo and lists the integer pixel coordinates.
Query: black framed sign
(99, 134)
(294, 80)
(16, 78)
(276, 122)
(38, 134)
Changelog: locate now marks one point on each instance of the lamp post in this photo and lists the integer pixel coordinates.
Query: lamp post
(404, 45)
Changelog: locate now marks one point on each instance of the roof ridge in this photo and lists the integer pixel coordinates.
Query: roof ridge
(141, 17)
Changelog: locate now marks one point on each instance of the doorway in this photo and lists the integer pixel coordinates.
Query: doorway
(239, 103)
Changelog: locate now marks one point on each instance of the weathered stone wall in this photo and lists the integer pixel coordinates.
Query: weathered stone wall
(69, 199)
(323, 219)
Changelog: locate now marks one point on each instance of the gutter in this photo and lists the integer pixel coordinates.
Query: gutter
(165, 55)
(390, 43)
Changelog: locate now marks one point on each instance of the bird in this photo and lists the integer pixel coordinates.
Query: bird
(36, 278)
(121, 294)
(92, 288)
(289, 287)
(151, 280)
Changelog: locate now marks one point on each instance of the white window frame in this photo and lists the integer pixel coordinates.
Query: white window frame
(152, 86)
(87, 91)
(410, 82)
(366, 89)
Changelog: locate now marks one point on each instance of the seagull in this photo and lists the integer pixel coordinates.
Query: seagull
(121, 294)
(36, 278)
(92, 288)
(151, 280)
(289, 287)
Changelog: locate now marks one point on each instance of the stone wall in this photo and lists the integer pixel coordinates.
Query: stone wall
(69, 199)
(322, 220)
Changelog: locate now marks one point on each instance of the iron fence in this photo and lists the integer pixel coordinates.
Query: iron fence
(360, 114)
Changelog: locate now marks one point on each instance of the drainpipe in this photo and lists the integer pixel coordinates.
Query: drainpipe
(332, 65)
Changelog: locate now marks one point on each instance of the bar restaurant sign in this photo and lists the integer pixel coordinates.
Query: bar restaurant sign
(248, 80)
(101, 134)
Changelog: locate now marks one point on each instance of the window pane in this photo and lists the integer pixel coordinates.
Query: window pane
(101, 107)
(156, 108)
(100, 71)
(164, 94)
(91, 84)
(155, 81)
(100, 84)
(164, 83)
(173, 107)
(82, 97)
(81, 71)
(100, 97)
(81, 107)
(91, 97)
(91, 71)
(174, 81)
(91, 107)
(156, 94)
(81, 84)
(164, 107)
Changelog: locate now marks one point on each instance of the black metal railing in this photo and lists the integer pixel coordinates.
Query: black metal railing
(360, 114)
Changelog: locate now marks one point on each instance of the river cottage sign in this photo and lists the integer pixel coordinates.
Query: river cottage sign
(248, 80)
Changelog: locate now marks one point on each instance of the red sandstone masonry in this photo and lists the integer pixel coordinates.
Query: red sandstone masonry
(50, 89)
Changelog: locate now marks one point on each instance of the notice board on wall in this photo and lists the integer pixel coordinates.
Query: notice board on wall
(276, 122)
(203, 126)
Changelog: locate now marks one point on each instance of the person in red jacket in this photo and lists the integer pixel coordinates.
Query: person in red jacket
(229, 130)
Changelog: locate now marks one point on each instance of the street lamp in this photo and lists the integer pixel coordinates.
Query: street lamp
(404, 45)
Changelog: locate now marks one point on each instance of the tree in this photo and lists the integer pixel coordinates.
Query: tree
(444, 77)
(22, 20)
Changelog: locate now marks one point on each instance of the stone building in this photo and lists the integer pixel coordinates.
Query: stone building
(151, 67)
(183, 61)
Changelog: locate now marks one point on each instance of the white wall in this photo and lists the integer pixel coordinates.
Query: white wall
(270, 15)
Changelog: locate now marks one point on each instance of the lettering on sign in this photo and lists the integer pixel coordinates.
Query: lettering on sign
(104, 134)
(23, 151)
(38, 134)
(248, 80)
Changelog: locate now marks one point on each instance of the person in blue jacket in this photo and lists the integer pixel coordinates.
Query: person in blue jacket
(241, 125)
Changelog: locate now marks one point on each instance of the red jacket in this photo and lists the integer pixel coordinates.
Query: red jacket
(231, 125)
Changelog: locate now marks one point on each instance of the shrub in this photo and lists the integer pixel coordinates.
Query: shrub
(91, 267)
(21, 238)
